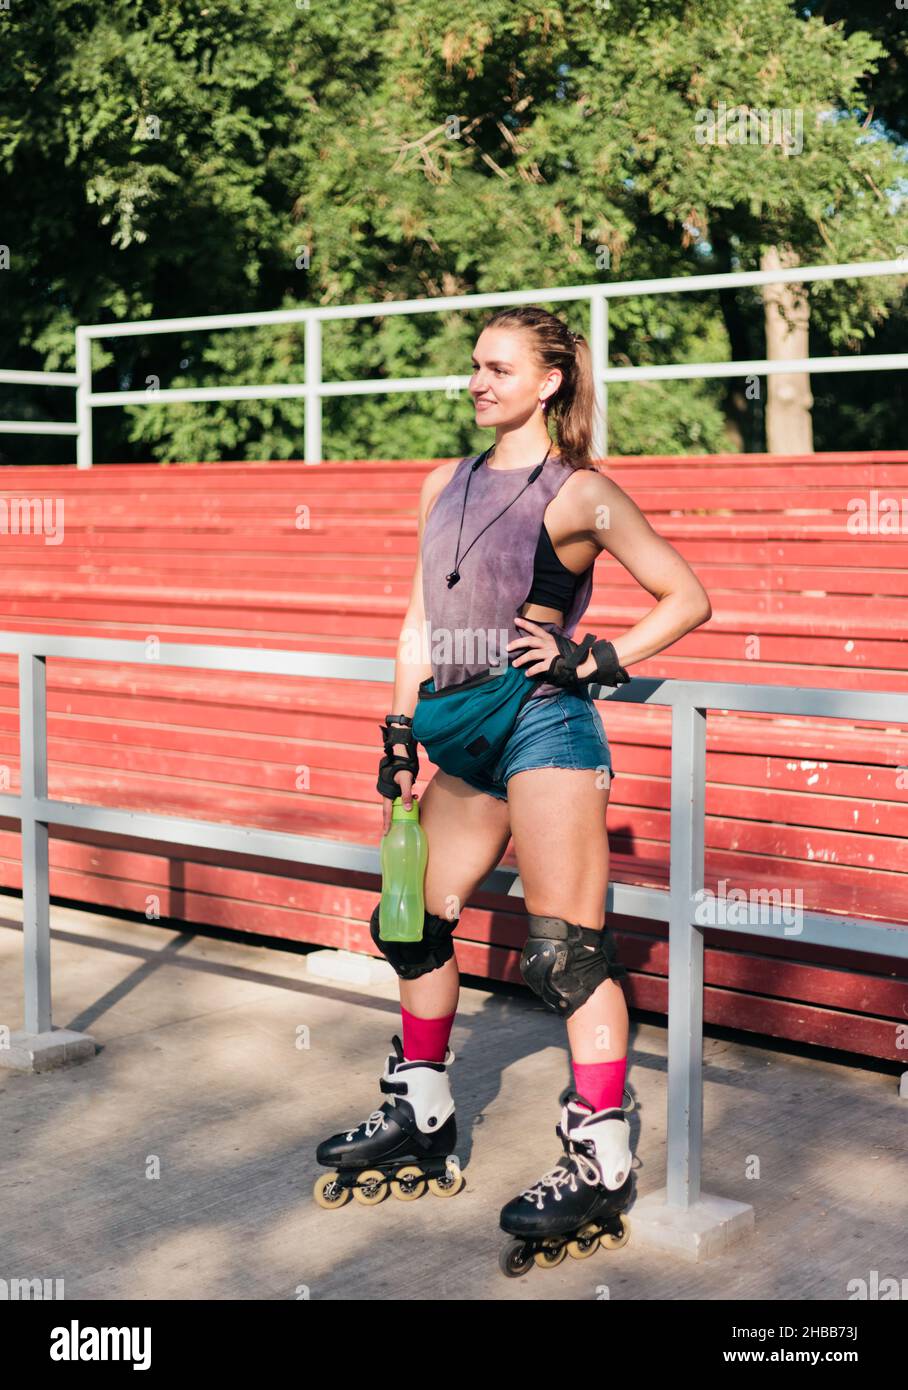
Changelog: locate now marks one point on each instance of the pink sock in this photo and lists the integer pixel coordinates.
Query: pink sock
(601, 1083)
(425, 1039)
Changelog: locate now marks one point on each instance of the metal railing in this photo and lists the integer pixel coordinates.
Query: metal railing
(315, 390)
(679, 905)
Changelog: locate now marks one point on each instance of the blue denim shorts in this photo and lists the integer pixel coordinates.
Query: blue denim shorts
(560, 729)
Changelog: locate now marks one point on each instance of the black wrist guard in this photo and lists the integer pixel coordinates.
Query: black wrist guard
(397, 728)
(563, 670)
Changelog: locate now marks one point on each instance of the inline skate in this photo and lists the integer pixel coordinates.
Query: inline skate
(577, 1205)
(403, 1146)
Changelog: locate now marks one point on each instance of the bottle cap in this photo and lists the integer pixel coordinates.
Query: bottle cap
(400, 812)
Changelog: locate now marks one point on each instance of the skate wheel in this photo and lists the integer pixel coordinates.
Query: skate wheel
(329, 1193)
(615, 1242)
(409, 1183)
(371, 1188)
(585, 1242)
(449, 1185)
(550, 1256)
(514, 1259)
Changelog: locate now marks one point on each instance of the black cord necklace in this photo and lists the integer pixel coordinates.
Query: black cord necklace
(454, 577)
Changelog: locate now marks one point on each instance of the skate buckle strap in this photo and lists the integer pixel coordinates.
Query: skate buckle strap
(588, 1137)
(583, 1151)
(399, 1088)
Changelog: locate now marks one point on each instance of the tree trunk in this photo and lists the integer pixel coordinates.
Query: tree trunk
(786, 310)
(743, 406)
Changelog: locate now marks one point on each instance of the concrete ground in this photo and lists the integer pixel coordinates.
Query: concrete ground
(178, 1163)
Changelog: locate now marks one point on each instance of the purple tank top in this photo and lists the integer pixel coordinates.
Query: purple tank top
(469, 626)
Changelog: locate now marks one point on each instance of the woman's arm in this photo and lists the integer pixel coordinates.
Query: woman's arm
(410, 666)
(682, 603)
(411, 663)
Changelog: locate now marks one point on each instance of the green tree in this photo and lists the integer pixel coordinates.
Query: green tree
(170, 158)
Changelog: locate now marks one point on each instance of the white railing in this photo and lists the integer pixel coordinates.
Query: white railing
(314, 390)
(14, 378)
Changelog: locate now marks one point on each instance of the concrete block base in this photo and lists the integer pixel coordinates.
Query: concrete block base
(349, 966)
(693, 1233)
(46, 1051)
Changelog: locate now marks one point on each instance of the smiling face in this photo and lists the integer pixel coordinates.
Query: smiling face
(507, 382)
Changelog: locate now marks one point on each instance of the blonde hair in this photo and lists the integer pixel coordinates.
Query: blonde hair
(573, 406)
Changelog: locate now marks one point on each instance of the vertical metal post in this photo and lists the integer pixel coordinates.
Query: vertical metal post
(313, 395)
(599, 350)
(685, 958)
(35, 864)
(83, 390)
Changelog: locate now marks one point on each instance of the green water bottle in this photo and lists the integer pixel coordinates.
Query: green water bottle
(404, 854)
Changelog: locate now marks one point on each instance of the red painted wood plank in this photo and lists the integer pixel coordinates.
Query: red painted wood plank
(766, 616)
(838, 795)
(837, 497)
(360, 576)
(381, 545)
(219, 482)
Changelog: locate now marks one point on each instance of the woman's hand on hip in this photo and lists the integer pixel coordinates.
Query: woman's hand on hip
(540, 646)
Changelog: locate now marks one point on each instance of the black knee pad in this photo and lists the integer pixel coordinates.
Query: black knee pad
(414, 958)
(565, 963)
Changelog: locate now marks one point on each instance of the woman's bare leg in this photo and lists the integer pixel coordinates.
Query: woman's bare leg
(560, 841)
(468, 832)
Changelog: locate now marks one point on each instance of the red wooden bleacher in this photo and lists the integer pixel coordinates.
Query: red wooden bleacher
(320, 558)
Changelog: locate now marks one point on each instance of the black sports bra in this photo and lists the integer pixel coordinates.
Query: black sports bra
(553, 583)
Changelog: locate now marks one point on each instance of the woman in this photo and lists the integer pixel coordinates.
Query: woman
(507, 544)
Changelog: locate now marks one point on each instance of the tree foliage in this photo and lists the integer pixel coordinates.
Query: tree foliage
(163, 158)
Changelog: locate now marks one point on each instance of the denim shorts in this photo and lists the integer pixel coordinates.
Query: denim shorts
(560, 729)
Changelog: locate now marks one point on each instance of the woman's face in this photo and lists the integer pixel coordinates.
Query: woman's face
(507, 383)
